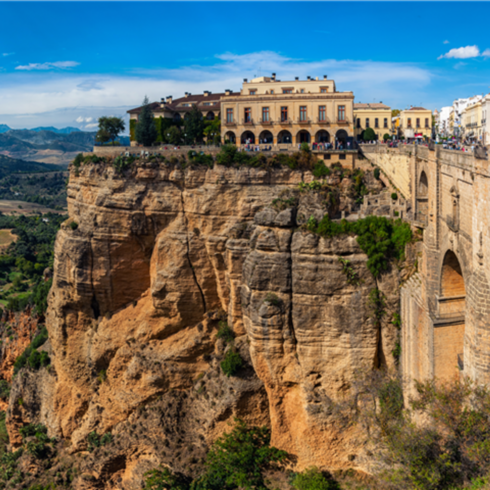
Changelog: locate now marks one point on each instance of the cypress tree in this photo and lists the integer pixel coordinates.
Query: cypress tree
(146, 131)
(194, 126)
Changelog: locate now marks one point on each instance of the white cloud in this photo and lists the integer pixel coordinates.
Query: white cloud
(76, 97)
(462, 53)
(91, 126)
(48, 66)
(445, 42)
(7, 54)
(486, 53)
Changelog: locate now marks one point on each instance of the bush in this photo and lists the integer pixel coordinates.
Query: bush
(225, 332)
(239, 459)
(320, 170)
(386, 136)
(369, 135)
(164, 479)
(394, 196)
(231, 363)
(305, 147)
(376, 173)
(450, 449)
(379, 238)
(95, 441)
(4, 390)
(73, 225)
(31, 357)
(78, 160)
(313, 479)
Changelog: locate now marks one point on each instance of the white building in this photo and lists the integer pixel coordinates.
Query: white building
(443, 121)
(485, 113)
(459, 105)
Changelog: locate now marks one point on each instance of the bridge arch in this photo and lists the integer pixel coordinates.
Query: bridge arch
(449, 327)
(423, 189)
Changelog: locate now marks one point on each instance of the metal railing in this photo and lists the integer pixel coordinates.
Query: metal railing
(248, 122)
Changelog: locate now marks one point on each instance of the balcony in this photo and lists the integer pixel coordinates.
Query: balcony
(342, 121)
(323, 121)
(285, 122)
(265, 122)
(303, 121)
(229, 123)
(248, 122)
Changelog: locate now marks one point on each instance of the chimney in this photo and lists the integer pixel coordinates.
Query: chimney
(316, 79)
(187, 94)
(162, 102)
(308, 77)
(169, 99)
(245, 80)
(324, 77)
(227, 91)
(296, 78)
(273, 77)
(206, 93)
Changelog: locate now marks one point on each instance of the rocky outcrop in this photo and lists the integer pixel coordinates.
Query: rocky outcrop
(160, 255)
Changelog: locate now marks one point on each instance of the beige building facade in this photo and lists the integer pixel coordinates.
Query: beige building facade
(416, 122)
(376, 116)
(282, 113)
(472, 122)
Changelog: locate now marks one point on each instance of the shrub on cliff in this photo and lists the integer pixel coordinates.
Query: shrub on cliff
(440, 440)
(239, 459)
(231, 363)
(380, 239)
(313, 479)
(164, 479)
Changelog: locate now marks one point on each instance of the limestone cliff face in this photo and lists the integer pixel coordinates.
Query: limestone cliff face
(159, 257)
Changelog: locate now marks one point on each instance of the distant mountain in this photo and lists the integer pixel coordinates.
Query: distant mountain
(4, 128)
(67, 130)
(18, 140)
(13, 165)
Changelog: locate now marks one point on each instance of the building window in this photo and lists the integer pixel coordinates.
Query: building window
(321, 113)
(367, 122)
(302, 90)
(409, 122)
(341, 112)
(229, 115)
(253, 92)
(358, 123)
(272, 92)
(323, 90)
(418, 122)
(376, 123)
(284, 114)
(385, 124)
(287, 90)
(426, 122)
(248, 115)
(302, 113)
(265, 114)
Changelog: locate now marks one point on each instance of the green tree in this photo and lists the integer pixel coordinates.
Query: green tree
(386, 136)
(313, 479)
(194, 126)
(238, 460)
(395, 112)
(369, 134)
(173, 135)
(212, 131)
(109, 128)
(146, 131)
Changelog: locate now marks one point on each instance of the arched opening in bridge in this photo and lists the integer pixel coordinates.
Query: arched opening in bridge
(248, 137)
(266, 137)
(423, 199)
(450, 320)
(423, 184)
(284, 138)
(230, 137)
(303, 136)
(322, 136)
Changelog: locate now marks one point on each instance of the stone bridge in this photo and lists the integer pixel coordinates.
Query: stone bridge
(445, 306)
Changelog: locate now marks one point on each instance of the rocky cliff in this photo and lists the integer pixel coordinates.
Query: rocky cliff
(149, 264)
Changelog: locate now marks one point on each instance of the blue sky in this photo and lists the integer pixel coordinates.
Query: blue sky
(67, 63)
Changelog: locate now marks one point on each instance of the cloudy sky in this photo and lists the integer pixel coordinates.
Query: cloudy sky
(66, 64)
